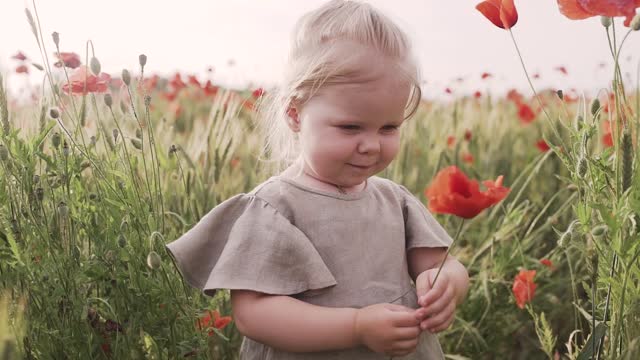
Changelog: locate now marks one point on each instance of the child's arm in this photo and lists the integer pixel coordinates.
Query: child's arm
(292, 325)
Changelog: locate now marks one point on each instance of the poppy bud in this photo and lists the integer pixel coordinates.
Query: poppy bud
(147, 100)
(56, 38)
(93, 196)
(108, 100)
(55, 139)
(605, 21)
(592, 262)
(123, 107)
(115, 135)
(153, 260)
(65, 148)
(172, 149)
(139, 133)
(137, 143)
(54, 113)
(63, 210)
(599, 231)
(126, 77)
(579, 122)
(92, 140)
(560, 94)
(39, 193)
(595, 106)
(581, 167)
(142, 59)
(122, 241)
(95, 65)
(36, 179)
(635, 22)
(4, 153)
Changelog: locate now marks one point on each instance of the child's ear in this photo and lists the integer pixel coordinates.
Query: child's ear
(293, 119)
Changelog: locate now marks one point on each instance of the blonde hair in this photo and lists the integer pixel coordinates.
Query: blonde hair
(312, 64)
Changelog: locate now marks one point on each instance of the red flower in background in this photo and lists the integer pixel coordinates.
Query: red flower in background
(210, 89)
(525, 113)
(547, 263)
(217, 322)
(467, 135)
(451, 140)
(19, 56)
(542, 145)
(22, 69)
(582, 9)
(502, 13)
(468, 158)
(257, 93)
(523, 287)
(607, 138)
(82, 81)
(485, 75)
(451, 192)
(562, 69)
(69, 59)
(477, 94)
(514, 96)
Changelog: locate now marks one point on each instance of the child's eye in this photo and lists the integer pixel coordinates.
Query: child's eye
(349, 127)
(390, 128)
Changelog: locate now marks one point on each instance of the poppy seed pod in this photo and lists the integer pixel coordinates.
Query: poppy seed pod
(115, 134)
(137, 143)
(39, 194)
(122, 241)
(139, 133)
(108, 99)
(142, 59)
(595, 106)
(65, 148)
(605, 21)
(54, 113)
(95, 65)
(63, 210)
(126, 77)
(153, 260)
(581, 167)
(56, 38)
(55, 139)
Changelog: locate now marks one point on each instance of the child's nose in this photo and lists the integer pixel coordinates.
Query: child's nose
(369, 145)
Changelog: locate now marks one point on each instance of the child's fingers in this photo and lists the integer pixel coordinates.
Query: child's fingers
(432, 294)
(439, 319)
(440, 303)
(444, 325)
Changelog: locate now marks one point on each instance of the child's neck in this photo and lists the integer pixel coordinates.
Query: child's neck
(293, 173)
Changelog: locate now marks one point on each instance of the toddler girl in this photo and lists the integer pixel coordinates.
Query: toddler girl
(321, 258)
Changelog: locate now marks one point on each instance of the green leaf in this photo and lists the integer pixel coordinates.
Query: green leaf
(587, 351)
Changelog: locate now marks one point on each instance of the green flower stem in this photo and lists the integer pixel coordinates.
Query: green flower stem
(448, 251)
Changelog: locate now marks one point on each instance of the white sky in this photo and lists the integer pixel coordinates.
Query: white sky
(451, 38)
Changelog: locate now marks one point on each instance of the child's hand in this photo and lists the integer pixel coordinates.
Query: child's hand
(438, 304)
(388, 328)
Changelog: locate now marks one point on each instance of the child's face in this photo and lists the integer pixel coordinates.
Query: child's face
(349, 132)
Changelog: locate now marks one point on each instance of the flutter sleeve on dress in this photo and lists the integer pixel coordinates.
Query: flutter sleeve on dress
(245, 243)
(421, 228)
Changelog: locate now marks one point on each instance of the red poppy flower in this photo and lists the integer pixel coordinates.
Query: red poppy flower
(547, 263)
(607, 138)
(69, 59)
(451, 140)
(448, 90)
(514, 96)
(502, 13)
(193, 80)
(525, 113)
(218, 322)
(467, 135)
(542, 145)
(22, 69)
(562, 69)
(523, 287)
(451, 192)
(19, 56)
(536, 76)
(477, 94)
(257, 93)
(210, 89)
(177, 82)
(485, 75)
(82, 81)
(582, 9)
(468, 158)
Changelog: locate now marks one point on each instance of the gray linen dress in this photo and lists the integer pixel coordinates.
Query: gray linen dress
(324, 248)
